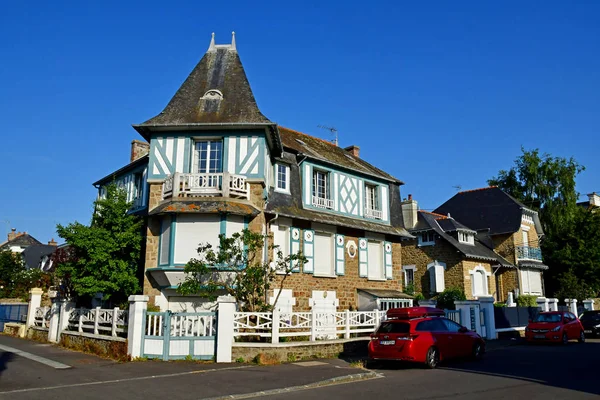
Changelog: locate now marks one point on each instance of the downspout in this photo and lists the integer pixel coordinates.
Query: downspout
(267, 228)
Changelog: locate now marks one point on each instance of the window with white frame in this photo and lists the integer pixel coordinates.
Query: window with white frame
(208, 157)
(165, 241)
(376, 270)
(531, 282)
(372, 202)
(409, 276)
(282, 178)
(387, 304)
(436, 272)
(427, 238)
(323, 254)
(466, 237)
(320, 190)
(479, 281)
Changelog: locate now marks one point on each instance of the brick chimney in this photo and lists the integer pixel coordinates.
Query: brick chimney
(139, 149)
(52, 243)
(594, 199)
(13, 234)
(410, 209)
(354, 150)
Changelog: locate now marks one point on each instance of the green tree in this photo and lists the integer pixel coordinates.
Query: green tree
(446, 299)
(15, 279)
(237, 268)
(104, 256)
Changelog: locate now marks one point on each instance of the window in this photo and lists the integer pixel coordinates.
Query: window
(409, 277)
(323, 254)
(394, 327)
(531, 282)
(431, 325)
(478, 284)
(465, 237)
(427, 238)
(208, 157)
(436, 276)
(387, 304)
(451, 326)
(282, 178)
(281, 238)
(525, 238)
(375, 260)
(320, 190)
(372, 202)
(165, 241)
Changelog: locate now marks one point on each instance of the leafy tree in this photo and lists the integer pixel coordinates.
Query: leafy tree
(571, 287)
(15, 279)
(446, 299)
(104, 256)
(526, 300)
(237, 268)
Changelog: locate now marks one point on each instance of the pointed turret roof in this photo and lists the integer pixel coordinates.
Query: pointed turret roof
(217, 91)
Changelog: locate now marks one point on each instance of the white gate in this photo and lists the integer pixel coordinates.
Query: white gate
(324, 305)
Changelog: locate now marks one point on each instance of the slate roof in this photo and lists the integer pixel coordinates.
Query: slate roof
(208, 205)
(34, 254)
(386, 293)
(487, 208)
(532, 264)
(322, 150)
(22, 240)
(477, 251)
(129, 167)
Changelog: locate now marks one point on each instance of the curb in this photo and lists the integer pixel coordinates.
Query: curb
(327, 382)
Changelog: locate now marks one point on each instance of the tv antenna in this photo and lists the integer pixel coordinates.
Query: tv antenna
(333, 131)
(458, 188)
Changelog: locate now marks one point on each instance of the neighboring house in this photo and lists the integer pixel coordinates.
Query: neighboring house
(18, 241)
(593, 202)
(515, 232)
(34, 253)
(446, 253)
(217, 165)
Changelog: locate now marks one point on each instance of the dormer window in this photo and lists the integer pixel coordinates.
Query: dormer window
(427, 238)
(282, 178)
(372, 202)
(466, 238)
(320, 190)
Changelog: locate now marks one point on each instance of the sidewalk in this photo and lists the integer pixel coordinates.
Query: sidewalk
(94, 378)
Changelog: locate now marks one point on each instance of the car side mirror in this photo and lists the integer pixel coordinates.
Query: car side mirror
(463, 330)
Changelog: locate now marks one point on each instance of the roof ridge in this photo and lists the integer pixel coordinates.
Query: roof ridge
(436, 214)
(306, 134)
(478, 189)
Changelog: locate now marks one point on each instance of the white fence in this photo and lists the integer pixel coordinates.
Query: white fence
(42, 317)
(99, 321)
(316, 325)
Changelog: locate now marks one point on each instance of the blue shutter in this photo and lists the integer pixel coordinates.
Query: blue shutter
(339, 254)
(294, 247)
(309, 250)
(363, 266)
(387, 256)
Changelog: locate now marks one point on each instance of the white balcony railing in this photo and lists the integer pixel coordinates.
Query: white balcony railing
(322, 202)
(205, 185)
(373, 214)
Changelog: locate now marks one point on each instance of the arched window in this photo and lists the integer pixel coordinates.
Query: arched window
(479, 281)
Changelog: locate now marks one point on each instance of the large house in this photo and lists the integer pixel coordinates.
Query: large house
(514, 230)
(216, 165)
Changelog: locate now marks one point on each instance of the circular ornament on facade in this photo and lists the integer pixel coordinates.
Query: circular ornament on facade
(388, 247)
(308, 236)
(340, 240)
(295, 234)
(362, 243)
(324, 294)
(351, 248)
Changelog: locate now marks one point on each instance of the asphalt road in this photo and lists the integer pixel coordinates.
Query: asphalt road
(514, 372)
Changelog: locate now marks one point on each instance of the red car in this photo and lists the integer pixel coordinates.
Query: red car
(423, 335)
(556, 327)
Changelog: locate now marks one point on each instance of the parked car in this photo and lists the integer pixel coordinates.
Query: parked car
(591, 322)
(556, 327)
(423, 335)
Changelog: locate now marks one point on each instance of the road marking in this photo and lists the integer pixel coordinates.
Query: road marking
(121, 380)
(33, 357)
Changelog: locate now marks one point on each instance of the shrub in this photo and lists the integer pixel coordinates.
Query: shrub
(419, 296)
(446, 299)
(499, 305)
(526, 300)
(409, 289)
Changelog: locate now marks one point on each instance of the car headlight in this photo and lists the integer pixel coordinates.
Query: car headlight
(597, 326)
(556, 329)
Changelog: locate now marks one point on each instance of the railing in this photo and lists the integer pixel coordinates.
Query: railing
(42, 317)
(322, 202)
(109, 322)
(205, 185)
(453, 315)
(529, 253)
(373, 214)
(316, 325)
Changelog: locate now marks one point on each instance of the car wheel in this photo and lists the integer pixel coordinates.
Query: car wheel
(565, 338)
(581, 337)
(477, 351)
(433, 358)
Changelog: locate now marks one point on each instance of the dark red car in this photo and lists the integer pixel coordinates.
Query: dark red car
(423, 335)
(554, 326)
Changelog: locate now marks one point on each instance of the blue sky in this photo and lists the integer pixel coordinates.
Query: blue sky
(440, 94)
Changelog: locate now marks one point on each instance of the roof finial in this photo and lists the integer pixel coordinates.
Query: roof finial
(212, 43)
(233, 41)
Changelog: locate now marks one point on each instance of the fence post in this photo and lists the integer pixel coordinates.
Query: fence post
(80, 321)
(313, 325)
(275, 317)
(510, 301)
(35, 301)
(114, 321)
(377, 319)
(588, 304)
(53, 326)
(465, 313)
(542, 303)
(176, 186)
(96, 319)
(487, 304)
(347, 324)
(553, 304)
(572, 304)
(137, 309)
(225, 318)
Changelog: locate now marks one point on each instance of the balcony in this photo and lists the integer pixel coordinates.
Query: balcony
(529, 253)
(322, 202)
(206, 185)
(373, 214)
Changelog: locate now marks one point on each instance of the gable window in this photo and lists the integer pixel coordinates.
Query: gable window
(320, 190)
(282, 178)
(427, 238)
(375, 257)
(372, 202)
(323, 254)
(436, 276)
(465, 237)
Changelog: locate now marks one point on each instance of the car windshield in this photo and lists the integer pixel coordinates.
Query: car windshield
(547, 318)
(590, 316)
(394, 327)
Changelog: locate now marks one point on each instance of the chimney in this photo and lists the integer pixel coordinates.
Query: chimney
(13, 234)
(139, 149)
(52, 243)
(409, 212)
(594, 199)
(354, 150)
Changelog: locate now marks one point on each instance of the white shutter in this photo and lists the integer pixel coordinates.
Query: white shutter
(295, 247)
(525, 288)
(535, 282)
(375, 268)
(165, 241)
(309, 250)
(339, 254)
(387, 256)
(437, 278)
(363, 259)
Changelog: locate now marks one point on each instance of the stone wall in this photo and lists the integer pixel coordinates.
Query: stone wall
(114, 348)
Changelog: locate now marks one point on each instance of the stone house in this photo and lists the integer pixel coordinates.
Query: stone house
(33, 252)
(514, 231)
(211, 163)
(593, 202)
(447, 254)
